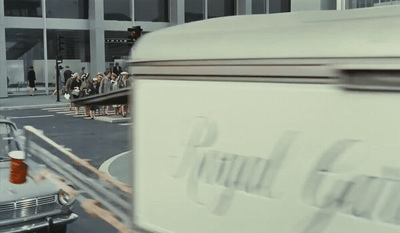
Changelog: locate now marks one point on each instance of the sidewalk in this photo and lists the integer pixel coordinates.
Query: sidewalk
(23, 100)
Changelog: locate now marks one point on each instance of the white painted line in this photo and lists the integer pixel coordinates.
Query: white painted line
(79, 115)
(68, 112)
(54, 109)
(125, 124)
(104, 167)
(26, 117)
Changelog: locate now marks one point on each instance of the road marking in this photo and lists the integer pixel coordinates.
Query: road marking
(26, 117)
(104, 166)
(56, 110)
(79, 116)
(124, 124)
(50, 109)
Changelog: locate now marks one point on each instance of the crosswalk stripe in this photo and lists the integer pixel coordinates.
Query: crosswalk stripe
(25, 117)
(67, 112)
(125, 124)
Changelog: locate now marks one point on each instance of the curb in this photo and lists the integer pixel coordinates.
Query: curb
(106, 164)
(113, 120)
(33, 106)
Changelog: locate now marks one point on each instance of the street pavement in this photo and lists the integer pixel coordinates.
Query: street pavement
(23, 100)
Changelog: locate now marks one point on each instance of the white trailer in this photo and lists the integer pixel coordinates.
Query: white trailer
(285, 123)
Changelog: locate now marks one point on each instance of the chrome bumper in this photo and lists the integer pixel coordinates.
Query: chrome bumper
(39, 224)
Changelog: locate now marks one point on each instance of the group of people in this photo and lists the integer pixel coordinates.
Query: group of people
(78, 86)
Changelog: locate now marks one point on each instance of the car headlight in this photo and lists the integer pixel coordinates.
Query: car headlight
(65, 199)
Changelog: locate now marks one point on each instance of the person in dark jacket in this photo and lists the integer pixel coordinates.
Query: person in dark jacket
(67, 74)
(75, 87)
(117, 69)
(32, 80)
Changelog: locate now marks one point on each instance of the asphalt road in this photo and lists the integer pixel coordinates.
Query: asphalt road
(89, 139)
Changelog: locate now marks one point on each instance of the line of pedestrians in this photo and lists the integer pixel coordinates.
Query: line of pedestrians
(78, 86)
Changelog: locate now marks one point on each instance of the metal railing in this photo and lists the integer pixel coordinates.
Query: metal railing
(103, 196)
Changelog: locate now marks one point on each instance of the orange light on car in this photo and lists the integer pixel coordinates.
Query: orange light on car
(18, 168)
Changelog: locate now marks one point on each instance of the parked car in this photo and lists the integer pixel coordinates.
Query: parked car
(29, 206)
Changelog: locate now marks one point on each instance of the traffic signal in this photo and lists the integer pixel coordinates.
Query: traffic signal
(135, 32)
(60, 43)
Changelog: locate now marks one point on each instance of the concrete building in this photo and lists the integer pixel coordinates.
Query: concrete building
(29, 29)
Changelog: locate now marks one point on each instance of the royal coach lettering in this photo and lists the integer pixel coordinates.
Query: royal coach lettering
(214, 177)
(322, 169)
(201, 134)
(252, 175)
(368, 197)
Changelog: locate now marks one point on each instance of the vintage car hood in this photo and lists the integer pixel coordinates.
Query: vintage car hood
(29, 189)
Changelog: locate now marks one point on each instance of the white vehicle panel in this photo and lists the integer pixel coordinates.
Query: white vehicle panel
(219, 156)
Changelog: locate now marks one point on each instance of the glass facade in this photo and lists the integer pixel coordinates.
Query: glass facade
(117, 10)
(152, 10)
(75, 9)
(219, 8)
(271, 6)
(23, 47)
(194, 10)
(114, 50)
(279, 6)
(23, 8)
(77, 44)
(351, 4)
(328, 5)
(258, 7)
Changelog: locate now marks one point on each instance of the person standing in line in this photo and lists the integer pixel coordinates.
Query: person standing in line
(93, 89)
(125, 82)
(85, 78)
(105, 87)
(99, 77)
(83, 71)
(75, 85)
(31, 80)
(114, 87)
(67, 74)
(117, 69)
(67, 89)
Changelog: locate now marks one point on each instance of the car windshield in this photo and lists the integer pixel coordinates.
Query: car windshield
(7, 142)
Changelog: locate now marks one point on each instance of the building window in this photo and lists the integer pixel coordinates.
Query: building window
(351, 4)
(258, 7)
(23, 8)
(328, 4)
(152, 10)
(117, 10)
(73, 9)
(77, 44)
(279, 6)
(116, 50)
(76, 53)
(194, 10)
(271, 6)
(218, 8)
(24, 48)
